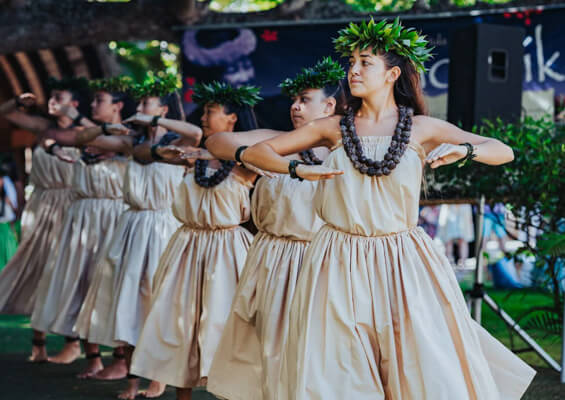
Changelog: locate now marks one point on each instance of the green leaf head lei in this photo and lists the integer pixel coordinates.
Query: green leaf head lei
(385, 36)
(326, 72)
(225, 94)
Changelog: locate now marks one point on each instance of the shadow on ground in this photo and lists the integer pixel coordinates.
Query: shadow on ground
(21, 380)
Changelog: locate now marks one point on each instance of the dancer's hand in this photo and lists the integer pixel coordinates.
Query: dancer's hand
(63, 155)
(316, 172)
(140, 119)
(446, 154)
(199, 154)
(170, 152)
(117, 129)
(27, 99)
(258, 171)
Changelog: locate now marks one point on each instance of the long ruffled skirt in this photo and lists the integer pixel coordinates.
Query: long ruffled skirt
(384, 318)
(40, 237)
(119, 297)
(194, 288)
(85, 237)
(247, 363)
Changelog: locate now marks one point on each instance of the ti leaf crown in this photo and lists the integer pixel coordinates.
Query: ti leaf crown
(326, 72)
(156, 87)
(118, 84)
(223, 93)
(384, 36)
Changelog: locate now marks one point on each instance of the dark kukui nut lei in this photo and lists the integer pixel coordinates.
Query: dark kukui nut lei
(309, 157)
(218, 177)
(398, 144)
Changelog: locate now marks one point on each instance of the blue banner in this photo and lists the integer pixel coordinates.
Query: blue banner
(267, 55)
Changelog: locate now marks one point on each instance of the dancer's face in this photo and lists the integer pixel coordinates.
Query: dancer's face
(368, 75)
(60, 98)
(309, 105)
(152, 106)
(103, 109)
(214, 120)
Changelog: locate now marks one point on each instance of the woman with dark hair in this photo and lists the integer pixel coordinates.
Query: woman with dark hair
(199, 271)
(377, 312)
(52, 195)
(122, 286)
(247, 362)
(88, 226)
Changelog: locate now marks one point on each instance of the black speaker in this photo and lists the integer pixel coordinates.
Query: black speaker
(486, 68)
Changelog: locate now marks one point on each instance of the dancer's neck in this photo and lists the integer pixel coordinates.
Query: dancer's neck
(377, 108)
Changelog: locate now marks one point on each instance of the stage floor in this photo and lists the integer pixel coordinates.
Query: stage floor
(21, 380)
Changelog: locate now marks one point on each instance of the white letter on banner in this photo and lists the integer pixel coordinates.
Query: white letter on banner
(528, 67)
(545, 67)
(433, 70)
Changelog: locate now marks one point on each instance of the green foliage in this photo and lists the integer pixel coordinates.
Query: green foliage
(326, 72)
(117, 84)
(381, 5)
(140, 59)
(384, 36)
(223, 93)
(156, 87)
(531, 186)
(243, 5)
(552, 244)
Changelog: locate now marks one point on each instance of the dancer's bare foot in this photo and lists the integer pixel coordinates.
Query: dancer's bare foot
(94, 366)
(69, 353)
(38, 351)
(117, 370)
(155, 389)
(131, 391)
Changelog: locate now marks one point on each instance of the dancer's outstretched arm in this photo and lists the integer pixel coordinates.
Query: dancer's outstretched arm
(191, 132)
(172, 153)
(120, 139)
(269, 155)
(33, 123)
(223, 145)
(442, 140)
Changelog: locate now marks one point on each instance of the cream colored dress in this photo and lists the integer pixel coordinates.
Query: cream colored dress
(247, 362)
(41, 225)
(86, 234)
(118, 300)
(195, 283)
(377, 312)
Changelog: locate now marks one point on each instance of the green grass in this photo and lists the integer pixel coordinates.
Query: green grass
(515, 303)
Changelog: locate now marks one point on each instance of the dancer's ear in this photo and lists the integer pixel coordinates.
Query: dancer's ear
(331, 103)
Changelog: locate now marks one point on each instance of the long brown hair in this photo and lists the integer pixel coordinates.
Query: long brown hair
(407, 88)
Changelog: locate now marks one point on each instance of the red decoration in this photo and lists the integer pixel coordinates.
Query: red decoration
(188, 95)
(269, 36)
(190, 80)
